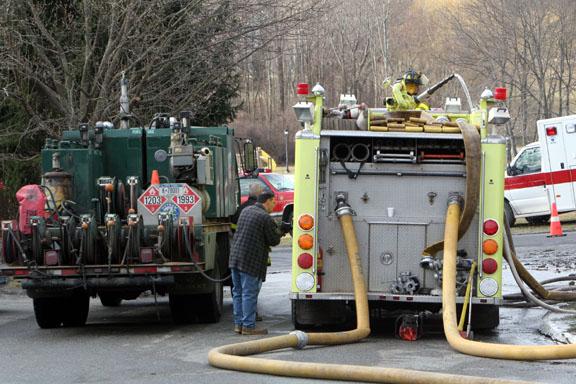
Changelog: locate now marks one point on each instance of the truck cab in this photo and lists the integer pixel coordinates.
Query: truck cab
(281, 185)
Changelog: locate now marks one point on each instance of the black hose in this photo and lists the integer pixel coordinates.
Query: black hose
(189, 252)
(19, 246)
(63, 205)
(53, 209)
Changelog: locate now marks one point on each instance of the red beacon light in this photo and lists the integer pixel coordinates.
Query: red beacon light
(551, 131)
(500, 93)
(302, 89)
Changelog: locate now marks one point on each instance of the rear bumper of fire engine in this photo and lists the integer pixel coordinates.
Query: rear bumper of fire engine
(388, 297)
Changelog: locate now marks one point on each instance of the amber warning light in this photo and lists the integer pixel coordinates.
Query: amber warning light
(306, 222)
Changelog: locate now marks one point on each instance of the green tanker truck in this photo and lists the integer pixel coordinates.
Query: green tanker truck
(122, 211)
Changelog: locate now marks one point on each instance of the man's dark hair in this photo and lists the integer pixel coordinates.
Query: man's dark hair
(265, 196)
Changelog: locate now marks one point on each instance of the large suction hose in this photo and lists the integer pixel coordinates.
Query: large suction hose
(475, 348)
(472, 146)
(234, 356)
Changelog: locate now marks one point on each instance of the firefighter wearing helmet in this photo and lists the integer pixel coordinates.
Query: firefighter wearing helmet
(405, 90)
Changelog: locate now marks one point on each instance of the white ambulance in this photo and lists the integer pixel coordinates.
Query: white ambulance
(543, 172)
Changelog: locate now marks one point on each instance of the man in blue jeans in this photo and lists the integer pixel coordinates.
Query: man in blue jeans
(255, 234)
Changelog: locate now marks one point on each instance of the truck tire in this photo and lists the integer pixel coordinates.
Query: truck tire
(485, 317)
(538, 220)
(509, 214)
(48, 312)
(290, 220)
(211, 304)
(109, 299)
(296, 318)
(182, 308)
(75, 309)
(223, 255)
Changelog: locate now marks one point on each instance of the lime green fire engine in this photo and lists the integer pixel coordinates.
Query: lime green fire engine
(397, 172)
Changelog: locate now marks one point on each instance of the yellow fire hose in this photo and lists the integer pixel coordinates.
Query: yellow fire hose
(235, 356)
(475, 348)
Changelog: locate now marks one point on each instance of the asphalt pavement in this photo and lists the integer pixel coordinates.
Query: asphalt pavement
(137, 342)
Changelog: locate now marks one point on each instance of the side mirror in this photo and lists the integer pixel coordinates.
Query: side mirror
(249, 157)
(510, 170)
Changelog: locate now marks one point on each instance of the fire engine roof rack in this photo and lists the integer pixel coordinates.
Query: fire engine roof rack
(370, 134)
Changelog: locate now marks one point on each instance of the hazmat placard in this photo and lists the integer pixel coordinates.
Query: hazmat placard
(187, 199)
(178, 199)
(151, 199)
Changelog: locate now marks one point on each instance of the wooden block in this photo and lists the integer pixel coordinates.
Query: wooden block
(433, 129)
(379, 120)
(414, 129)
(418, 120)
(451, 124)
(377, 115)
(446, 129)
(378, 128)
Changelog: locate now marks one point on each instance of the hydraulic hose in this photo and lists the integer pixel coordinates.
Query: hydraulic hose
(530, 280)
(475, 348)
(526, 291)
(235, 356)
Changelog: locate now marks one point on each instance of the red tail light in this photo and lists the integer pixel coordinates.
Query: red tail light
(490, 227)
(305, 260)
(551, 131)
(489, 266)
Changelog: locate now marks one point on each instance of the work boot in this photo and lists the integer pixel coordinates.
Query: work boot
(254, 331)
(237, 329)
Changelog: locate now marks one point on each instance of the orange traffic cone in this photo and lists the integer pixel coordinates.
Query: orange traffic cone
(155, 178)
(555, 226)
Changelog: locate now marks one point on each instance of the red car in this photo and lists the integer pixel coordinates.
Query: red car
(281, 185)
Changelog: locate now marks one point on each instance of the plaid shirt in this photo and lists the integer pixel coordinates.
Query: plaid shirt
(255, 234)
